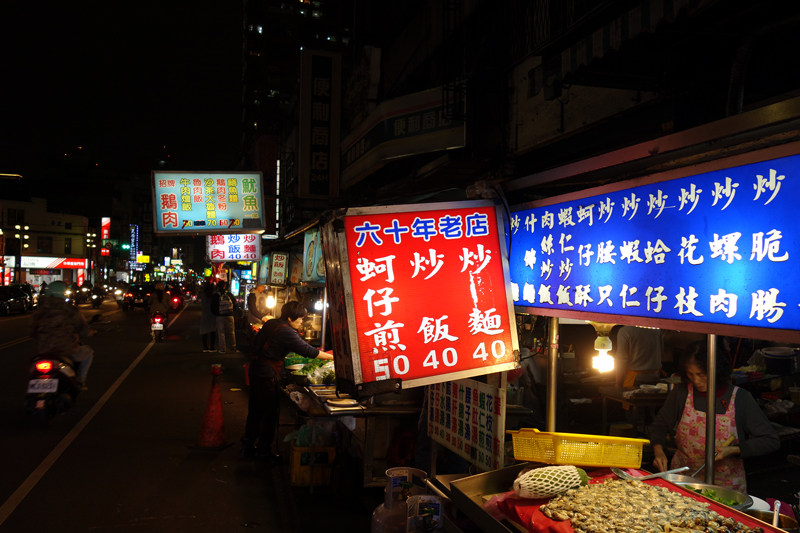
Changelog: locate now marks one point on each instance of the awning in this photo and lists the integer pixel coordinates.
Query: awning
(642, 18)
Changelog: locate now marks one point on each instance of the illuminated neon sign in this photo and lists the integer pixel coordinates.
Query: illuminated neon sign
(211, 203)
(429, 288)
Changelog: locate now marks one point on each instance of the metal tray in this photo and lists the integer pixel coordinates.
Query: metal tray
(745, 501)
(467, 494)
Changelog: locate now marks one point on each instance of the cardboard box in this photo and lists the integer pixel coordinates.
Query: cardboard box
(300, 459)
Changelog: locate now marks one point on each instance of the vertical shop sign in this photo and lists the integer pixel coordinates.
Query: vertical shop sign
(318, 163)
(468, 417)
(718, 249)
(134, 239)
(280, 262)
(105, 228)
(431, 292)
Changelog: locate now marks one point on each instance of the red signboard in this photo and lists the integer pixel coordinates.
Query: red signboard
(430, 292)
(105, 228)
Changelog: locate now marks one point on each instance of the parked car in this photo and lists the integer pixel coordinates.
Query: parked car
(31, 296)
(13, 300)
(137, 295)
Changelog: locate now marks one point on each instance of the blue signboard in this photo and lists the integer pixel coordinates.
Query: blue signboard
(718, 248)
(210, 203)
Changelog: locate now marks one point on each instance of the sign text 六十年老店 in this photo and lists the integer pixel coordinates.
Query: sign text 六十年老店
(211, 203)
(429, 292)
(221, 248)
(720, 248)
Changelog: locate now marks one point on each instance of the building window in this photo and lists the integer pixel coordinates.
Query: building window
(16, 216)
(68, 245)
(67, 225)
(44, 245)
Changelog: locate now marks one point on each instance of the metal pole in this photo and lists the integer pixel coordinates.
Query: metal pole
(711, 418)
(324, 317)
(552, 365)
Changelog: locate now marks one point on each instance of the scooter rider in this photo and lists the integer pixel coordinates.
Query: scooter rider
(158, 300)
(59, 328)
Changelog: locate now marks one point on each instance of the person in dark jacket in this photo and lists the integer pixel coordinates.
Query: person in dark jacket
(737, 415)
(223, 306)
(208, 322)
(273, 343)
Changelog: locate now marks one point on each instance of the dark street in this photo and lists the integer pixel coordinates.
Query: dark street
(121, 459)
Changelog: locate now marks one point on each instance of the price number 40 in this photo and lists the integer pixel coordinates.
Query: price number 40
(449, 358)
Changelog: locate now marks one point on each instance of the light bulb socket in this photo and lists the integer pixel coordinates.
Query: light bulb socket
(602, 343)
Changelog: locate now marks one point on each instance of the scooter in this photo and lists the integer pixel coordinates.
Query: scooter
(52, 388)
(158, 323)
(70, 298)
(97, 301)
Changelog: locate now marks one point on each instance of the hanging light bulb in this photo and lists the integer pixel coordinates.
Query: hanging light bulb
(270, 302)
(318, 305)
(602, 362)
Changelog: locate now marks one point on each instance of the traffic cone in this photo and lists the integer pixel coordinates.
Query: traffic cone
(212, 433)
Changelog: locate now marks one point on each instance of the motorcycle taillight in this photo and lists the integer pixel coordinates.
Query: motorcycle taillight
(44, 366)
(175, 300)
(157, 319)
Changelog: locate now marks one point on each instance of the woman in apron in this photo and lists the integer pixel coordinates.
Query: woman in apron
(737, 415)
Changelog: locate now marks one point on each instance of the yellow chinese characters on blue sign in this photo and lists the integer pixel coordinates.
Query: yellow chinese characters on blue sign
(721, 248)
(215, 203)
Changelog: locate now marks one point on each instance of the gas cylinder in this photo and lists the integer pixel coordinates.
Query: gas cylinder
(401, 484)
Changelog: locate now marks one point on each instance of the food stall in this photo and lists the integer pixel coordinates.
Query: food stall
(707, 248)
(419, 298)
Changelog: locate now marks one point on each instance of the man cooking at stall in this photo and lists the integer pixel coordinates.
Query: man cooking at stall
(685, 412)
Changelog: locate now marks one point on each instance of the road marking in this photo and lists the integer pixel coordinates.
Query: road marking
(12, 343)
(10, 318)
(15, 499)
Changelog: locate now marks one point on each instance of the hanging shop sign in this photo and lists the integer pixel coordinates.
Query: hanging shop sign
(466, 416)
(221, 248)
(209, 203)
(313, 265)
(711, 251)
(105, 228)
(53, 262)
(320, 110)
(280, 264)
(430, 292)
(263, 270)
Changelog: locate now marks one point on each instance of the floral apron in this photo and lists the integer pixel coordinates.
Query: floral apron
(691, 438)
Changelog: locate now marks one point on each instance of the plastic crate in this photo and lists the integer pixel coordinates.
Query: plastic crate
(300, 459)
(578, 450)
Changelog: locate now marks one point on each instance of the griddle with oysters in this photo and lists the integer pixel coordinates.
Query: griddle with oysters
(618, 505)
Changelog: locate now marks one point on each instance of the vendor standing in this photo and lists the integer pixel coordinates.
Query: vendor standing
(685, 412)
(272, 344)
(638, 356)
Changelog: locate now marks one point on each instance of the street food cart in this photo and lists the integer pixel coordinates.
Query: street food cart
(708, 248)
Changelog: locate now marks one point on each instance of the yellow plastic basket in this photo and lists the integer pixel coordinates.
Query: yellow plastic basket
(575, 449)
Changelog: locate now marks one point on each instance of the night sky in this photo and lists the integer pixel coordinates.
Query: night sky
(121, 80)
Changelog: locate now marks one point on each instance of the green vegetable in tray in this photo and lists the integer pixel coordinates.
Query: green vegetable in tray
(712, 494)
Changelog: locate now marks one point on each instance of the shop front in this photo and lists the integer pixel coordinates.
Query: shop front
(37, 270)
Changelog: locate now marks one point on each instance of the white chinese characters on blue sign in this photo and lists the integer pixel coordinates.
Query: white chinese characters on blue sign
(720, 247)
